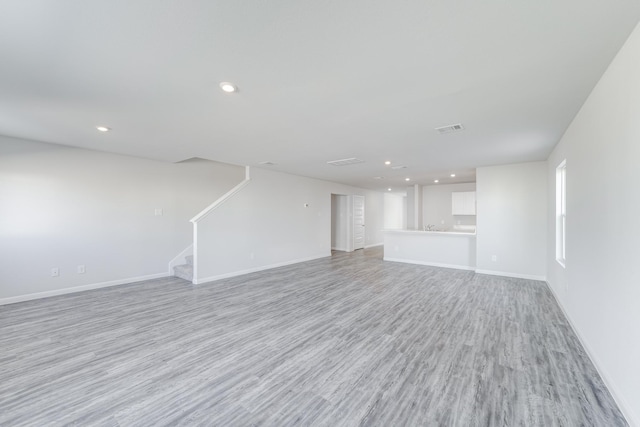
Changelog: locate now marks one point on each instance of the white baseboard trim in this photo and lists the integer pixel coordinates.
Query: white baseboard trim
(256, 269)
(63, 291)
(373, 245)
(430, 264)
(625, 408)
(339, 249)
(514, 275)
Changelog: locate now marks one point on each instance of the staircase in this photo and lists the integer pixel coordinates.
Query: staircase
(185, 271)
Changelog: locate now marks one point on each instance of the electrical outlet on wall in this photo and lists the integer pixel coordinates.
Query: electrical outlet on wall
(494, 258)
(55, 272)
(81, 269)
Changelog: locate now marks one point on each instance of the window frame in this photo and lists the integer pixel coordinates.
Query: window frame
(561, 213)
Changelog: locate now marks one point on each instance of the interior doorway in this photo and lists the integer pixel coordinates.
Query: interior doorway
(339, 222)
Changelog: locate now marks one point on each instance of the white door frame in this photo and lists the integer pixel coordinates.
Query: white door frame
(353, 221)
(345, 214)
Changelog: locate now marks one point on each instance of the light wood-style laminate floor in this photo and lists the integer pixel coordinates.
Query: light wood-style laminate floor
(343, 341)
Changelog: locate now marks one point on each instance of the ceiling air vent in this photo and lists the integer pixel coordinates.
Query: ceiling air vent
(451, 128)
(267, 163)
(345, 162)
(398, 167)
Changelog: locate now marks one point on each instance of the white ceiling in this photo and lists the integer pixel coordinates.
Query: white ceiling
(318, 80)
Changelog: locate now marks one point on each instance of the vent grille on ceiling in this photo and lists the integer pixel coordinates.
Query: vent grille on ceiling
(267, 163)
(398, 167)
(344, 162)
(451, 128)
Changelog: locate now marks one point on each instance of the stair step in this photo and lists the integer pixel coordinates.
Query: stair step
(189, 259)
(184, 271)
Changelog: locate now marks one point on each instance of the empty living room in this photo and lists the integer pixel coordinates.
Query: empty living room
(246, 213)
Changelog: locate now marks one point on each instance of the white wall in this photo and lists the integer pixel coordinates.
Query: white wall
(436, 202)
(404, 212)
(373, 213)
(600, 287)
(512, 219)
(63, 207)
(418, 207)
(339, 222)
(267, 224)
(410, 207)
(414, 207)
(394, 214)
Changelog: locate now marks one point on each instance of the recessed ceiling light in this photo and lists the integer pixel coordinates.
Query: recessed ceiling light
(436, 181)
(103, 128)
(388, 189)
(387, 163)
(407, 179)
(453, 175)
(228, 87)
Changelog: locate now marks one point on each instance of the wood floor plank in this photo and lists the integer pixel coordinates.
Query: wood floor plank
(348, 340)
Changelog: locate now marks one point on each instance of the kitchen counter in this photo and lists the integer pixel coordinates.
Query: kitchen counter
(464, 233)
(450, 249)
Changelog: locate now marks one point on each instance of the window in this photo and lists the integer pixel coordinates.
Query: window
(561, 212)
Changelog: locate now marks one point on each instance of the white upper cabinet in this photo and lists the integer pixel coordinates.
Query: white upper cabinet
(463, 203)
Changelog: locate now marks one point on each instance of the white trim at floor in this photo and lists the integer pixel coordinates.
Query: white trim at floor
(515, 275)
(430, 264)
(621, 401)
(256, 269)
(63, 291)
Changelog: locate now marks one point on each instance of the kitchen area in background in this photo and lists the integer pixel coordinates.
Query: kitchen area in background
(432, 225)
(494, 224)
(441, 208)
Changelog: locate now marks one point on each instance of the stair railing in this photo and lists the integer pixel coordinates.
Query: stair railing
(206, 211)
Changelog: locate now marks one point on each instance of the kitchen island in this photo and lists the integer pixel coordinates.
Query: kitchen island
(450, 249)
